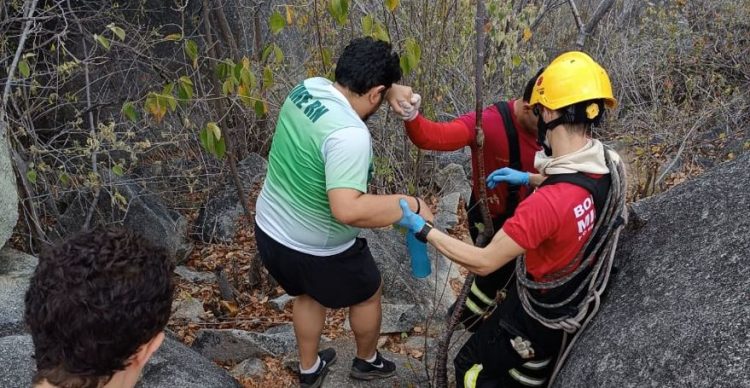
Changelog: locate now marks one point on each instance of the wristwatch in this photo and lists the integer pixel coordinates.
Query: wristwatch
(422, 234)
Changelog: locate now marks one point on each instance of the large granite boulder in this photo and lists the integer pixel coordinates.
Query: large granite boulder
(173, 365)
(8, 193)
(678, 311)
(15, 270)
(217, 220)
(138, 209)
(432, 294)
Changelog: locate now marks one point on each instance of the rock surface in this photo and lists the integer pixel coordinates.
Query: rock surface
(218, 217)
(145, 214)
(173, 365)
(238, 345)
(8, 192)
(428, 295)
(678, 311)
(15, 270)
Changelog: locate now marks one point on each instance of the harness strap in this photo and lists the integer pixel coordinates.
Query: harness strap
(514, 156)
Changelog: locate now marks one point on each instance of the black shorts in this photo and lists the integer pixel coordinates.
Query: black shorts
(337, 281)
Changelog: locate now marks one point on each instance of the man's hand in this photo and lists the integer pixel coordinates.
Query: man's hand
(398, 94)
(411, 108)
(409, 219)
(509, 176)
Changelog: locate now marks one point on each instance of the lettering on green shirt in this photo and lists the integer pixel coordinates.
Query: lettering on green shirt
(301, 97)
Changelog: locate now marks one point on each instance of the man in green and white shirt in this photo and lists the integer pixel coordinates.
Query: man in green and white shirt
(314, 200)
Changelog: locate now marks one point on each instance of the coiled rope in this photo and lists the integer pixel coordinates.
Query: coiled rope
(595, 282)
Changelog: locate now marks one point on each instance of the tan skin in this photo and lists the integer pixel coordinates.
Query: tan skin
(129, 377)
(363, 210)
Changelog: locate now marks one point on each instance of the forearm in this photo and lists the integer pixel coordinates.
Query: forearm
(375, 211)
(475, 259)
(481, 261)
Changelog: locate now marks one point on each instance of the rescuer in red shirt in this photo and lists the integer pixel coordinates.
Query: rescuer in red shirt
(516, 346)
(510, 141)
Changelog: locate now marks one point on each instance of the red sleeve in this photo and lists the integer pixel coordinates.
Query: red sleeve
(534, 221)
(431, 135)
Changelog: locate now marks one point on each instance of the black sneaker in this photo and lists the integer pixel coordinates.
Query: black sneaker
(315, 379)
(378, 369)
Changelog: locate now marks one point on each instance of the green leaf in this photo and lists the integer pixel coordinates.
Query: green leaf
(117, 169)
(31, 175)
(64, 179)
(24, 68)
(191, 50)
(381, 33)
(237, 73)
(367, 23)
(184, 92)
(168, 88)
(207, 140)
(104, 42)
(392, 4)
(276, 23)
(411, 57)
(339, 9)
(214, 129)
(119, 32)
(173, 37)
(413, 49)
(128, 110)
(227, 87)
(220, 148)
(278, 54)
(185, 80)
(222, 70)
(267, 77)
(260, 108)
(516, 60)
(266, 52)
(247, 79)
(327, 55)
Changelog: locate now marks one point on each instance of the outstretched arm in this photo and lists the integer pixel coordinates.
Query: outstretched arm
(482, 261)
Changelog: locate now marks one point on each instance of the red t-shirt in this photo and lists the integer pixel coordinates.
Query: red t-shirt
(456, 134)
(552, 225)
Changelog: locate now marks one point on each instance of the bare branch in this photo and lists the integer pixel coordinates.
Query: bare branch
(31, 7)
(601, 10)
(576, 15)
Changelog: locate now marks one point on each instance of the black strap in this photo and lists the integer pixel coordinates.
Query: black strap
(514, 154)
(599, 189)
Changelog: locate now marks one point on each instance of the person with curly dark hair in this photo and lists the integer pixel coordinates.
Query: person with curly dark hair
(314, 200)
(96, 306)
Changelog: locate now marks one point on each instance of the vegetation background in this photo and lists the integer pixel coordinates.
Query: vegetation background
(170, 95)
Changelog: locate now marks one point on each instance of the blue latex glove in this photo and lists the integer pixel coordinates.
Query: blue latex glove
(509, 176)
(410, 220)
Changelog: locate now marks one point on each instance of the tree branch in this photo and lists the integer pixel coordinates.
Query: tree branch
(601, 10)
(11, 71)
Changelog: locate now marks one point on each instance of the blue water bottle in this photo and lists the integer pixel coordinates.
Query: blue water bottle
(420, 262)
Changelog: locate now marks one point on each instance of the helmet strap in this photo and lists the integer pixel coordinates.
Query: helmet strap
(542, 129)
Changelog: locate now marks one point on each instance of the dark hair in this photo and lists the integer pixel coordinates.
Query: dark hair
(92, 302)
(530, 85)
(366, 63)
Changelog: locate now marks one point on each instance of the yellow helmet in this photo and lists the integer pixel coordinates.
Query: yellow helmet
(570, 78)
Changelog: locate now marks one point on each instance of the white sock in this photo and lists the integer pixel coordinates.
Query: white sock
(312, 369)
(373, 358)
